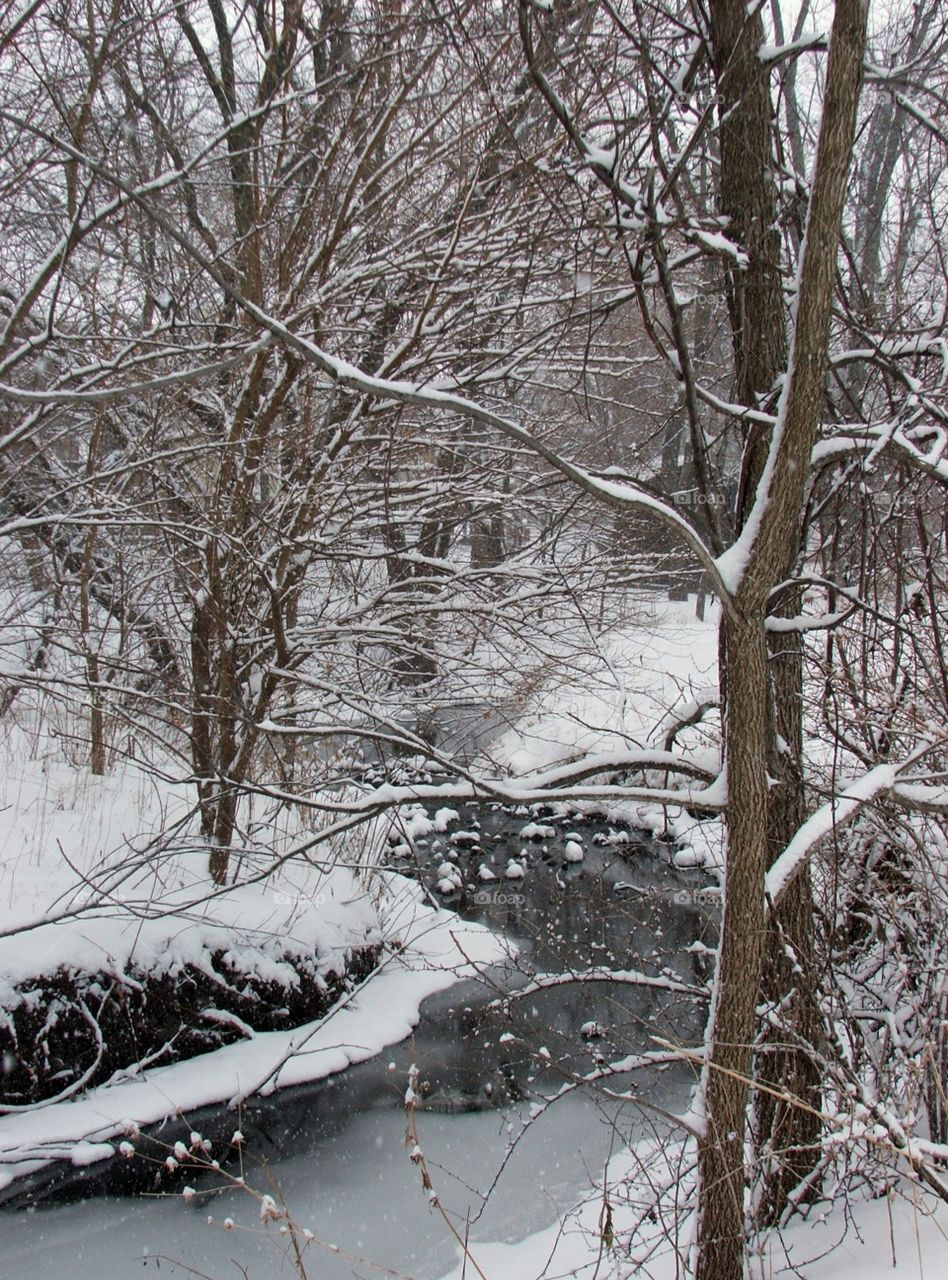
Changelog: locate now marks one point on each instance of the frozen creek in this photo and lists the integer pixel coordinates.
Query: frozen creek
(336, 1149)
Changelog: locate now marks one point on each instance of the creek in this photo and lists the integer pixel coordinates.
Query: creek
(570, 893)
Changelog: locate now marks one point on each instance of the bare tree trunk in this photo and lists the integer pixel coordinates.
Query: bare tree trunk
(755, 299)
(748, 200)
(787, 1133)
(96, 711)
(740, 958)
(771, 537)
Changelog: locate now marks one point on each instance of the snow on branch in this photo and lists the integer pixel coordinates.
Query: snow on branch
(628, 977)
(161, 382)
(921, 797)
(928, 122)
(712, 797)
(809, 622)
(607, 762)
(841, 809)
(771, 54)
(836, 813)
(686, 714)
(872, 440)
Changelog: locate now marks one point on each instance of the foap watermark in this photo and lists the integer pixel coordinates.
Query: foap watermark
(698, 498)
(286, 899)
(497, 898)
(697, 897)
(706, 897)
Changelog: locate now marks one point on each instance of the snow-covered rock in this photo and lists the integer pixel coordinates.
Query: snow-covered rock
(449, 878)
(574, 851)
(537, 831)
(465, 837)
(443, 819)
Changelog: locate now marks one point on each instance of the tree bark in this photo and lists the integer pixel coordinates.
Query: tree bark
(740, 955)
(755, 298)
(769, 542)
(787, 1133)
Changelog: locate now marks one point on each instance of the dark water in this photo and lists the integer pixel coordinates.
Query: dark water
(625, 906)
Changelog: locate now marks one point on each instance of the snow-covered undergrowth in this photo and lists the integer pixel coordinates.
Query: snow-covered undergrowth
(84, 871)
(110, 931)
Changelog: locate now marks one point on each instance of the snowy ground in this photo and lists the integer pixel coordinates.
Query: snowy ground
(59, 827)
(619, 693)
(903, 1235)
(622, 696)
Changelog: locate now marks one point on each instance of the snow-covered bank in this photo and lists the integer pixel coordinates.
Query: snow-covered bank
(620, 693)
(127, 982)
(430, 950)
(903, 1234)
(638, 683)
(102, 892)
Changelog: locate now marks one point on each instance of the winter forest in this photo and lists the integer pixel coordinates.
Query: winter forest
(473, 676)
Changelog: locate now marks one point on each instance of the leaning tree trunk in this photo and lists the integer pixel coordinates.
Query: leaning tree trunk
(769, 542)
